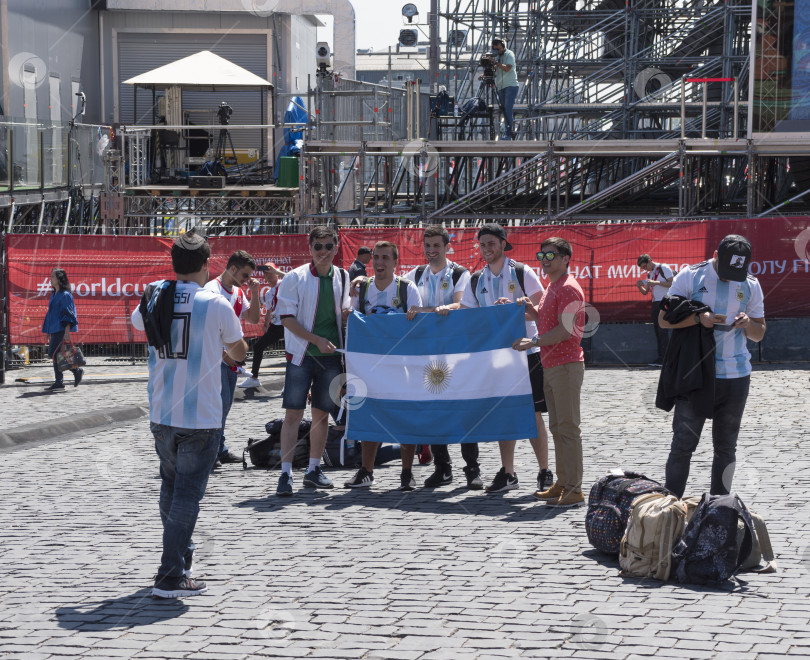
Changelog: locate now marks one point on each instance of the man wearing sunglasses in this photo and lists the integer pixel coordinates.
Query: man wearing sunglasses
(500, 282)
(313, 303)
(560, 324)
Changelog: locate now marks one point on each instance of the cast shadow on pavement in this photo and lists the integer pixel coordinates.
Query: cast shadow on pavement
(138, 609)
(456, 501)
(29, 395)
(737, 586)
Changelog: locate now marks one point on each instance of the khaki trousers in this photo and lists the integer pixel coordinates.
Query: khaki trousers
(562, 386)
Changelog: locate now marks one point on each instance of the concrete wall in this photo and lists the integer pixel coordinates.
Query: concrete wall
(786, 340)
(55, 38)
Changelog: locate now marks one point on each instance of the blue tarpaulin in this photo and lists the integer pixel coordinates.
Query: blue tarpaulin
(296, 113)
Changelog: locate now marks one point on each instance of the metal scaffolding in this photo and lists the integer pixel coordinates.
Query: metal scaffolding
(653, 92)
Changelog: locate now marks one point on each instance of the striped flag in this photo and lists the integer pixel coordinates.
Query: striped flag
(438, 379)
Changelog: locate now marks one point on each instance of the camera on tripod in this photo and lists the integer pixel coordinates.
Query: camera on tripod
(224, 113)
(487, 62)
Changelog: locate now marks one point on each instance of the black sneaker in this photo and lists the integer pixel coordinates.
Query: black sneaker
(362, 479)
(229, 457)
(441, 476)
(316, 479)
(503, 482)
(168, 587)
(55, 386)
(473, 475)
(77, 377)
(406, 481)
(216, 465)
(285, 485)
(545, 479)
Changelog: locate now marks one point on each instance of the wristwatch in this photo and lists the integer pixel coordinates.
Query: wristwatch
(535, 339)
(697, 318)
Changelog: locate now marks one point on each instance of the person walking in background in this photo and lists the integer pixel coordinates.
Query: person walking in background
(273, 330)
(238, 272)
(358, 268)
(185, 406)
(60, 321)
(657, 283)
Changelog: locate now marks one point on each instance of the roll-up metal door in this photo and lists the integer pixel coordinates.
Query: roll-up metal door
(139, 53)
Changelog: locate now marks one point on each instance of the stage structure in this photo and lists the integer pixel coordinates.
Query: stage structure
(632, 110)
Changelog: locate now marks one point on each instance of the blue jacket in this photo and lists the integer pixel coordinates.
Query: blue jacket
(61, 311)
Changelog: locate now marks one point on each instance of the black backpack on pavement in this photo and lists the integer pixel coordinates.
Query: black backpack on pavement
(716, 543)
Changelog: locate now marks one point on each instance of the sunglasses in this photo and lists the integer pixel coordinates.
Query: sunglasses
(548, 256)
(321, 246)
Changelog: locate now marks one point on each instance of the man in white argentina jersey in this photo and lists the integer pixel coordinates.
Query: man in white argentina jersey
(441, 284)
(500, 282)
(238, 272)
(383, 293)
(737, 313)
(185, 406)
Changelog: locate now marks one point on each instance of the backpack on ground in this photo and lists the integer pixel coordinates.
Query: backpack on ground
(656, 523)
(263, 452)
(609, 505)
(716, 543)
(761, 548)
(266, 453)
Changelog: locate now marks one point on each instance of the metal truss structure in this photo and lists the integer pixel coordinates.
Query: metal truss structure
(626, 110)
(234, 211)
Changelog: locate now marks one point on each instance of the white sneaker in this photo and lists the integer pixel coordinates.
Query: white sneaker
(250, 381)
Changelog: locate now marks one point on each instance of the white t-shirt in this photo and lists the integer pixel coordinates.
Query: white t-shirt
(184, 377)
(270, 301)
(387, 300)
(236, 297)
(439, 289)
(505, 285)
(700, 283)
(661, 273)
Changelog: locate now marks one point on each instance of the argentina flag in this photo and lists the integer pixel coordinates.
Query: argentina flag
(438, 379)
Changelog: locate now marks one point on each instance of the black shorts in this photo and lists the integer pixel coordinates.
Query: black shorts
(536, 379)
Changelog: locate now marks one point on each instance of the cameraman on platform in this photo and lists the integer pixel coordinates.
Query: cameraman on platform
(506, 82)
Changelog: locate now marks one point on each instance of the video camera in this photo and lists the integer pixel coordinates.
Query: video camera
(487, 62)
(224, 113)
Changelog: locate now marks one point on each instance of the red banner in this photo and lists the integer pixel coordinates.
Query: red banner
(604, 260)
(108, 275)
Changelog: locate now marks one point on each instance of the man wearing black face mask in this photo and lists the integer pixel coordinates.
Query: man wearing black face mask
(506, 82)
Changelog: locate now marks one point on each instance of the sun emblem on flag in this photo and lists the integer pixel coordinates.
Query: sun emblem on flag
(437, 376)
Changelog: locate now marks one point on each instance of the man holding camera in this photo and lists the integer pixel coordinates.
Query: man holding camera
(506, 82)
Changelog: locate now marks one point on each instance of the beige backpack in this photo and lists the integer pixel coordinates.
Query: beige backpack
(655, 525)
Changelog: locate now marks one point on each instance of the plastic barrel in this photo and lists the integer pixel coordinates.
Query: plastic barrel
(288, 172)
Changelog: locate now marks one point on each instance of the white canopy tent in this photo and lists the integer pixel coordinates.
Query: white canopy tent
(201, 72)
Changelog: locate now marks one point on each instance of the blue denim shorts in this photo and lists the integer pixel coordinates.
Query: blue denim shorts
(316, 373)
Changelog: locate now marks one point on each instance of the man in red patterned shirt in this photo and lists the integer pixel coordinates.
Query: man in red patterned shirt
(560, 324)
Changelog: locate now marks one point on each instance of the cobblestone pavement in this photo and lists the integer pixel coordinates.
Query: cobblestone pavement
(381, 574)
